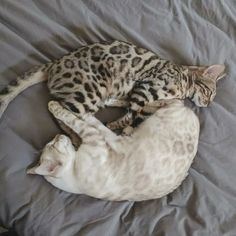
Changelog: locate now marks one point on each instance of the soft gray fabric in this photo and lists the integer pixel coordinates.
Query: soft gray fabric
(187, 32)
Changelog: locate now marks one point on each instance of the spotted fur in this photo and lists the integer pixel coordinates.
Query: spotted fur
(84, 79)
(149, 164)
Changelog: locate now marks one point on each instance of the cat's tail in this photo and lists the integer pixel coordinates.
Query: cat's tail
(36, 75)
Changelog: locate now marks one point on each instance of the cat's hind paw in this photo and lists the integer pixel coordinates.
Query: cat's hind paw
(114, 125)
(127, 131)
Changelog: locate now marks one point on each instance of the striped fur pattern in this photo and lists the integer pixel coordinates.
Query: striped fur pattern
(84, 79)
(148, 164)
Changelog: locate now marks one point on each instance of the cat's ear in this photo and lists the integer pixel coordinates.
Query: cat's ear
(47, 168)
(215, 72)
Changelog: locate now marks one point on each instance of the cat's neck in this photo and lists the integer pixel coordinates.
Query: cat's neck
(189, 86)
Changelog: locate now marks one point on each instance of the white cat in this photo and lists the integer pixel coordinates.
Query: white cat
(149, 164)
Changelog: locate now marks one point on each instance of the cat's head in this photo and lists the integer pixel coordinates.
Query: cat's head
(56, 156)
(202, 82)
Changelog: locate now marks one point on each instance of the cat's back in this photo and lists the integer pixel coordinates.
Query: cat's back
(163, 149)
(98, 69)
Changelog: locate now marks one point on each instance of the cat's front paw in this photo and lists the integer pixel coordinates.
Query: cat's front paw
(54, 107)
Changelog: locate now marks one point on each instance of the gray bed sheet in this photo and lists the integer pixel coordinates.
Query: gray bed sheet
(187, 32)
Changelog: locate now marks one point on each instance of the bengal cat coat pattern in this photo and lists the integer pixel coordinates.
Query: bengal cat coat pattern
(84, 79)
(149, 164)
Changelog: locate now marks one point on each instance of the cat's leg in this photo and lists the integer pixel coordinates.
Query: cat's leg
(147, 111)
(129, 121)
(140, 117)
(143, 94)
(88, 127)
(113, 102)
(140, 97)
(122, 122)
(75, 139)
(80, 108)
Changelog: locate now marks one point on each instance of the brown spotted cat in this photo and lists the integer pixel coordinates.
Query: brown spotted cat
(83, 80)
